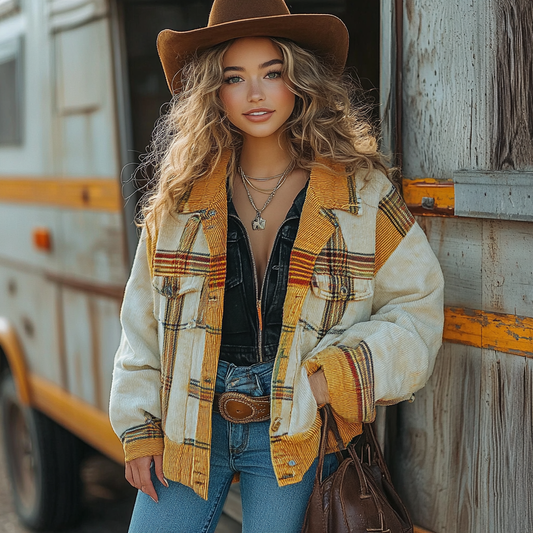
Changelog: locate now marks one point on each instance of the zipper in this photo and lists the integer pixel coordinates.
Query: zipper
(259, 294)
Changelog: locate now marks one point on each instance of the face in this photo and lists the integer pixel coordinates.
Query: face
(256, 99)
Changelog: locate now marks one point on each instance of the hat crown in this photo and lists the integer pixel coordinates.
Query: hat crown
(232, 10)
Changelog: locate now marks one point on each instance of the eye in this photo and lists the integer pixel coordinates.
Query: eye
(273, 75)
(233, 79)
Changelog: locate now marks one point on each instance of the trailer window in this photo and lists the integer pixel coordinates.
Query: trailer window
(11, 93)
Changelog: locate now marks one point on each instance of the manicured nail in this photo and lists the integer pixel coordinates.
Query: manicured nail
(155, 501)
(165, 482)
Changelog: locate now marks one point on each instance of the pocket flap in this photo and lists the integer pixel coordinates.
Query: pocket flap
(341, 287)
(174, 286)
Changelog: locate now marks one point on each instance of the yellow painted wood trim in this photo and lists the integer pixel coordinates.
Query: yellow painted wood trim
(497, 331)
(67, 192)
(441, 191)
(10, 345)
(79, 417)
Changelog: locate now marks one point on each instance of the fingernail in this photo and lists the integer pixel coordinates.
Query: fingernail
(155, 501)
(165, 482)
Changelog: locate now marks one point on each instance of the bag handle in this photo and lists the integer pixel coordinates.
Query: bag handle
(329, 424)
(376, 450)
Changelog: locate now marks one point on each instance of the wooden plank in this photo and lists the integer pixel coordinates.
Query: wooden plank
(464, 461)
(504, 466)
(457, 243)
(506, 333)
(387, 81)
(507, 267)
(100, 194)
(512, 114)
(437, 445)
(448, 82)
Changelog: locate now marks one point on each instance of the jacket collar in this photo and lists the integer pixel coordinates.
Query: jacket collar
(331, 188)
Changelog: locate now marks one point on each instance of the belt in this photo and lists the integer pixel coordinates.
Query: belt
(240, 408)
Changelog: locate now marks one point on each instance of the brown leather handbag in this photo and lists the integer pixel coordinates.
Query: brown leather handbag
(359, 497)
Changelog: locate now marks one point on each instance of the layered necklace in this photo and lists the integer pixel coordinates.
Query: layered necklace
(259, 222)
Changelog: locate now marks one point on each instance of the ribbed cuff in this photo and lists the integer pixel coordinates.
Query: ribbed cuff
(350, 377)
(143, 441)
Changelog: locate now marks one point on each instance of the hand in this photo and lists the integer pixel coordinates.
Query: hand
(319, 387)
(138, 474)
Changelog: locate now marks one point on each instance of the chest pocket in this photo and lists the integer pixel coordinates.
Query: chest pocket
(341, 288)
(177, 299)
(336, 301)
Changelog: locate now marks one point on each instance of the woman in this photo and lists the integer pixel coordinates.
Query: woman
(278, 269)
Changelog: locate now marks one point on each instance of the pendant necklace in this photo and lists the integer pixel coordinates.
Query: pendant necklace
(258, 223)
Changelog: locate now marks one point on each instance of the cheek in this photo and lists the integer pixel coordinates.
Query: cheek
(229, 100)
(287, 99)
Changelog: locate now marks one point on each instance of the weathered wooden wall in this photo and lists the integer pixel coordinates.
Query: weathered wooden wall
(464, 448)
(513, 86)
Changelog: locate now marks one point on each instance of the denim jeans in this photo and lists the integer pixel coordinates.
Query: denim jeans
(235, 448)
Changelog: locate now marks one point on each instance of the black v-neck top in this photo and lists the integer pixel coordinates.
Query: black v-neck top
(244, 343)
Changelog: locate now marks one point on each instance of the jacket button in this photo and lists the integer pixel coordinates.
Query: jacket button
(291, 462)
(276, 424)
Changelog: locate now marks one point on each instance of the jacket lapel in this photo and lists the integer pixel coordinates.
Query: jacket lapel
(329, 189)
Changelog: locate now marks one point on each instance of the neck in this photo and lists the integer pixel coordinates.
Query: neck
(263, 157)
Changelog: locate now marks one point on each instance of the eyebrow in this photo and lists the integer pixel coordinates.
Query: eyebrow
(263, 65)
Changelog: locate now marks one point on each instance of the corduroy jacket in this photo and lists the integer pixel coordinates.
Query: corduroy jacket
(364, 302)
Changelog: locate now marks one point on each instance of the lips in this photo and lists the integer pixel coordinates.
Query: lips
(259, 114)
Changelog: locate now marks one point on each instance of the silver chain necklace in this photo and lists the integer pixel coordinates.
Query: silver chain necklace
(259, 222)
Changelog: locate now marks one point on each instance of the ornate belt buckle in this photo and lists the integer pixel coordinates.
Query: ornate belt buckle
(236, 407)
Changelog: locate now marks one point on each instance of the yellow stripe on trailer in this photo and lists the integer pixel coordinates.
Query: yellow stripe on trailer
(100, 194)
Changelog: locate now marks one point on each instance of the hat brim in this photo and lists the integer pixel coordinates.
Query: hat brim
(324, 34)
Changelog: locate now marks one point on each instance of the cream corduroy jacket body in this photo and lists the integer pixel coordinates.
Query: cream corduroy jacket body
(364, 303)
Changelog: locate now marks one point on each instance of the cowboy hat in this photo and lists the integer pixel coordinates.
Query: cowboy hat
(326, 35)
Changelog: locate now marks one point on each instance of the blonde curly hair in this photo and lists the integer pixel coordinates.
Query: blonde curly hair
(189, 139)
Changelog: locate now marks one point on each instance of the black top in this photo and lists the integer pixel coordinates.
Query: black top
(243, 342)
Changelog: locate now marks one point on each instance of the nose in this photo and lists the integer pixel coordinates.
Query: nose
(255, 92)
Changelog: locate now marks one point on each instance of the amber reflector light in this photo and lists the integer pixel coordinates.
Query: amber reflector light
(42, 239)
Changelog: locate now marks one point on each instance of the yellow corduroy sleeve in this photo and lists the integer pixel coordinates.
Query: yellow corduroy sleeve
(143, 441)
(389, 357)
(349, 375)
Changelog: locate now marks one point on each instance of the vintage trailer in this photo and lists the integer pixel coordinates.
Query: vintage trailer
(80, 89)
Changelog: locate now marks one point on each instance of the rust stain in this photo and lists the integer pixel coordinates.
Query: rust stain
(440, 193)
(100, 194)
(504, 333)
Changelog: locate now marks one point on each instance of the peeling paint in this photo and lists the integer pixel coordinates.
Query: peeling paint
(501, 332)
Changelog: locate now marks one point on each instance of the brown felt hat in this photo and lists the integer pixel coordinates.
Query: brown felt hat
(326, 35)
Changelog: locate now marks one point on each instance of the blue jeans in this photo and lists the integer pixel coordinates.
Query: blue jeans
(242, 448)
